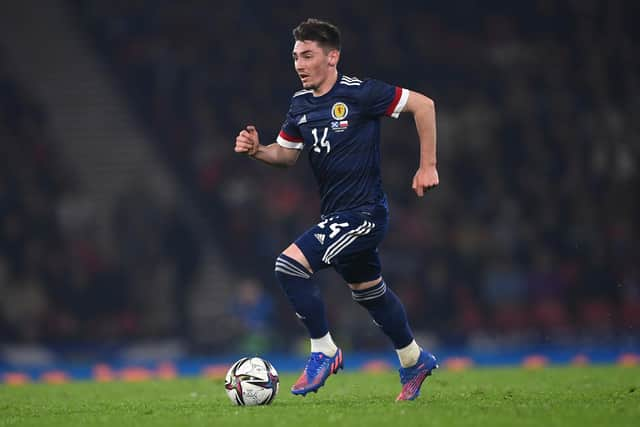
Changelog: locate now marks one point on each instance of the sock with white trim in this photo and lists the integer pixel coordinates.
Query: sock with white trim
(324, 345)
(409, 355)
(303, 294)
(387, 311)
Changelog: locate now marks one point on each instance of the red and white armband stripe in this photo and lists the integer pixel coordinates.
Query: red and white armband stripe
(288, 141)
(399, 101)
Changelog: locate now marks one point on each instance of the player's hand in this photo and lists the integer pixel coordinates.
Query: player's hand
(425, 179)
(248, 141)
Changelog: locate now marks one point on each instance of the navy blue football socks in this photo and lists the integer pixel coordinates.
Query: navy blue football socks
(387, 312)
(382, 303)
(303, 294)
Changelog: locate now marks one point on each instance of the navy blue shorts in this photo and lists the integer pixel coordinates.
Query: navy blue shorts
(348, 242)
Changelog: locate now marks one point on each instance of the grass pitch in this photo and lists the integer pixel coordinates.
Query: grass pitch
(557, 396)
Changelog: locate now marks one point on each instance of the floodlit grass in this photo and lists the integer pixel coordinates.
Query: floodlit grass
(557, 396)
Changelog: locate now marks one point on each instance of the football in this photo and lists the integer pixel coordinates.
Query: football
(252, 381)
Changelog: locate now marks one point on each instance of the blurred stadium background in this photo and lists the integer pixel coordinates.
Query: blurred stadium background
(129, 226)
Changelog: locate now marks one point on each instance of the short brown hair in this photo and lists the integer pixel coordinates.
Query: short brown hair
(326, 34)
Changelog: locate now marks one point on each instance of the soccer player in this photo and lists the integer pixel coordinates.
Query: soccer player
(337, 118)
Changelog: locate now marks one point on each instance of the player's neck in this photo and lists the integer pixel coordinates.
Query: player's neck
(326, 86)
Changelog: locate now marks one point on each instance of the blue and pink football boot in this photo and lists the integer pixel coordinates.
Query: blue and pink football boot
(413, 377)
(318, 368)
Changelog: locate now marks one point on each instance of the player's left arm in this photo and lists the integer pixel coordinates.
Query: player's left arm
(424, 114)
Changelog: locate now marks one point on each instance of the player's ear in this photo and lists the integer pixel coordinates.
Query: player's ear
(334, 57)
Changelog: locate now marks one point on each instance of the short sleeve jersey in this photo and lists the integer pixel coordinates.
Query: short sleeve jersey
(341, 130)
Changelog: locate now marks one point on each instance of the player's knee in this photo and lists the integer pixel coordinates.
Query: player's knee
(362, 286)
(287, 266)
(293, 251)
(295, 281)
(371, 293)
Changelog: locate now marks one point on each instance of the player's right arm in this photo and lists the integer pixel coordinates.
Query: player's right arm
(248, 142)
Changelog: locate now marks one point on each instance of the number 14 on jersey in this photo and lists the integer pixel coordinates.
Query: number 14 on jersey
(321, 143)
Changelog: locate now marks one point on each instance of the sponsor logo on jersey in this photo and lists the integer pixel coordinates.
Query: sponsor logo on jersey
(339, 111)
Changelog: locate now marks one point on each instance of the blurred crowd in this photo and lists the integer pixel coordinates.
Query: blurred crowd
(532, 235)
(58, 284)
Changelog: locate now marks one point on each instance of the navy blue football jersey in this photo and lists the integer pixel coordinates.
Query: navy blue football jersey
(341, 130)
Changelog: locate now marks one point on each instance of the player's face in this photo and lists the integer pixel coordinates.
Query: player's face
(312, 63)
